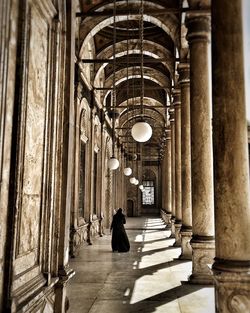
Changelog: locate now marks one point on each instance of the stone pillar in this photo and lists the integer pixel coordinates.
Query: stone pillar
(168, 177)
(66, 151)
(163, 182)
(201, 148)
(172, 126)
(163, 166)
(178, 213)
(186, 228)
(231, 169)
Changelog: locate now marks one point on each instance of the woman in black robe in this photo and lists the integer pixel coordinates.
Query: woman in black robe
(119, 241)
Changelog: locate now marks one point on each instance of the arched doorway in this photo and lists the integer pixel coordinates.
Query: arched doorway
(130, 208)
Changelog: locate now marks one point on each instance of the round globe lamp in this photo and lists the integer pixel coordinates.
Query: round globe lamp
(141, 187)
(141, 131)
(113, 163)
(132, 180)
(127, 171)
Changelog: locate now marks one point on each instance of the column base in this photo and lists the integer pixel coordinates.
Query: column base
(61, 299)
(177, 233)
(89, 227)
(186, 249)
(172, 227)
(168, 218)
(232, 285)
(203, 254)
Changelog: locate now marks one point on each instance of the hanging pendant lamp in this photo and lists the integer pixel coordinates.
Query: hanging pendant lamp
(113, 162)
(127, 171)
(132, 180)
(141, 131)
(141, 187)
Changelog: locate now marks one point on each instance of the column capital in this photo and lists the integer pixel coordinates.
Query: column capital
(184, 73)
(176, 98)
(168, 133)
(171, 114)
(199, 28)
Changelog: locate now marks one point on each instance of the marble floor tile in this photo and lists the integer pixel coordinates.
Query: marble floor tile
(150, 278)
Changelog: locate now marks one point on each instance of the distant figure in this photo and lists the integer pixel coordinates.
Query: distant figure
(119, 241)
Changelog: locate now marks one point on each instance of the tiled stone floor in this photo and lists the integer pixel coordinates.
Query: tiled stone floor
(148, 279)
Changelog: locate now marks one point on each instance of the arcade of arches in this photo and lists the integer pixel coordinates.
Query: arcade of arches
(67, 104)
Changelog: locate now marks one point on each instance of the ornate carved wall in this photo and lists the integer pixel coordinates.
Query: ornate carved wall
(32, 112)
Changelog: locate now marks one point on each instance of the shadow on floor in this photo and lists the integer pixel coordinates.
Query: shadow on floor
(148, 279)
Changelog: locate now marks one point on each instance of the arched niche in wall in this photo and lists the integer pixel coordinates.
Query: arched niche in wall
(96, 191)
(81, 160)
(108, 211)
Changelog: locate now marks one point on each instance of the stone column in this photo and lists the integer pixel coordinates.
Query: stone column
(201, 148)
(172, 126)
(168, 177)
(66, 155)
(178, 213)
(231, 169)
(163, 183)
(186, 228)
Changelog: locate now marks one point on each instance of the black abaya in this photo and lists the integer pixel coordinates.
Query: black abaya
(119, 241)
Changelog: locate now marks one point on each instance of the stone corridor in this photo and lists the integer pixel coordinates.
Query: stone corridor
(150, 278)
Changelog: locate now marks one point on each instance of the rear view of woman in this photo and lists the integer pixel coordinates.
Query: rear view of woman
(119, 241)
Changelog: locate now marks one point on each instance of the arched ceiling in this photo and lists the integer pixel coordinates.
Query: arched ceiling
(163, 35)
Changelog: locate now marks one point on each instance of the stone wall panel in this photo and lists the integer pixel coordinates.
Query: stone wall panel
(34, 116)
(8, 29)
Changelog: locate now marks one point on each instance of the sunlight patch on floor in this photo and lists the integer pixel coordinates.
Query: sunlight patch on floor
(149, 286)
(139, 238)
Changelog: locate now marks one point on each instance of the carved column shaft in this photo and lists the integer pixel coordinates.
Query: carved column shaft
(186, 229)
(66, 183)
(178, 213)
(163, 182)
(172, 126)
(168, 177)
(231, 170)
(201, 148)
